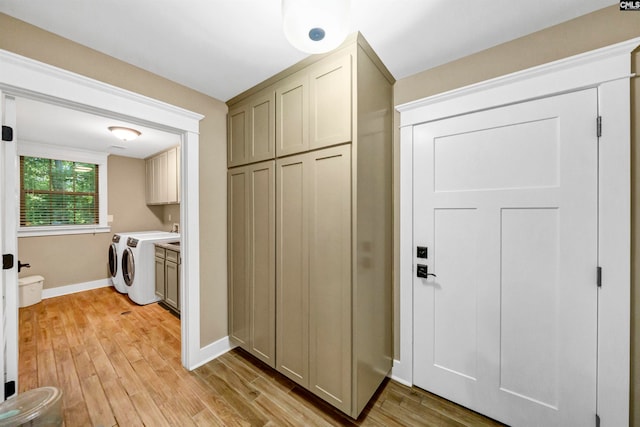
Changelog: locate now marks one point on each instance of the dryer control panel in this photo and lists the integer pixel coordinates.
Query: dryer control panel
(132, 243)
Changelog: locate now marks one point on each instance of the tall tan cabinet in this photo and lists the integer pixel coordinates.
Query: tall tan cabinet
(251, 203)
(327, 319)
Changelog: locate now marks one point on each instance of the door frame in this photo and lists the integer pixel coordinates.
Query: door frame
(607, 69)
(21, 76)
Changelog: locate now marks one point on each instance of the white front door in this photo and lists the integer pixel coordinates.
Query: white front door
(505, 201)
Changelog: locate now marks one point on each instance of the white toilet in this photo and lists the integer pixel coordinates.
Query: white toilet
(30, 290)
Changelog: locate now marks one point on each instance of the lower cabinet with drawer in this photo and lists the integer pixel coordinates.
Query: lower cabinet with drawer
(168, 278)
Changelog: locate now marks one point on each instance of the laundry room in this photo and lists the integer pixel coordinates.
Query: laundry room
(81, 183)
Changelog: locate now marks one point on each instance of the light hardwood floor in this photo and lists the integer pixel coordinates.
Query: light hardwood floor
(118, 363)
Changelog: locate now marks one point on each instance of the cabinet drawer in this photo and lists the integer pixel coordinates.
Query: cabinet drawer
(160, 252)
(173, 256)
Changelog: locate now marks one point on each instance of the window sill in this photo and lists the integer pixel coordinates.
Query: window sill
(62, 230)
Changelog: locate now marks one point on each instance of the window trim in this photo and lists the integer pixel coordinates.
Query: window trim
(56, 152)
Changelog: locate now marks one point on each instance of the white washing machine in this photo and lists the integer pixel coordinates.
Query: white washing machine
(138, 266)
(116, 249)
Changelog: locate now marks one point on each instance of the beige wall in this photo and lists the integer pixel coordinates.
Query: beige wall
(27, 40)
(71, 259)
(592, 31)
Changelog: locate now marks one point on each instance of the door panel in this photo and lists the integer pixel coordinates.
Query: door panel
(292, 115)
(454, 312)
(238, 262)
(261, 130)
(329, 192)
(330, 91)
(292, 270)
(238, 136)
(506, 201)
(262, 259)
(160, 277)
(528, 322)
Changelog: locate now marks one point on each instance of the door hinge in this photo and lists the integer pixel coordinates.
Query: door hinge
(7, 261)
(599, 276)
(599, 126)
(597, 420)
(9, 389)
(7, 133)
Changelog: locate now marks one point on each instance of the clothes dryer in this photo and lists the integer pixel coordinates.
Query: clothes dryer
(138, 266)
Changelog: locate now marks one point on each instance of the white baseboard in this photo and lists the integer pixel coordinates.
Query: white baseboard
(72, 289)
(400, 374)
(213, 351)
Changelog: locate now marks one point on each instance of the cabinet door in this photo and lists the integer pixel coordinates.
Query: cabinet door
(262, 120)
(292, 113)
(159, 267)
(292, 269)
(238, 134)
(329, 200)
(159, 179)
(261, 255)
(330, 110)
(172, 174)
(238, 262)
(149, 181)
(172, 281)
(178, 173)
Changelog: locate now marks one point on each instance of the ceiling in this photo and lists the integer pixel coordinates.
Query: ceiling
(224, 47)
(51, 124)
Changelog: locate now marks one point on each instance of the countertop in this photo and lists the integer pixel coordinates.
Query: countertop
(174, 246)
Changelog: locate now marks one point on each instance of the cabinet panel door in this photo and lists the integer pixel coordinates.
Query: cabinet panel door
(160, 178)
(172, 174)
(292, 271)
(149, 181)
(238, 182)
(262, 260)
(238, 134)
(159, 267)
(172, 280)
(329, 201)
(292, 123)
(330, 110)
(262, 134)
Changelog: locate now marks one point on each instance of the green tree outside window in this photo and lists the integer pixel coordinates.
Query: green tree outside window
(58, 192)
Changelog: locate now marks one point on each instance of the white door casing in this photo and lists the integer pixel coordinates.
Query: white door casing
(608, 70)
(20, 76)
(506, 201)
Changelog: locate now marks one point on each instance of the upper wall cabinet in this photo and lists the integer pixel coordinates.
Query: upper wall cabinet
(163, 178)
(252, 130)
(304, 110)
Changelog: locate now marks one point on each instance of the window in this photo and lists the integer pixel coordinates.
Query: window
(58, 192)
(62, 190)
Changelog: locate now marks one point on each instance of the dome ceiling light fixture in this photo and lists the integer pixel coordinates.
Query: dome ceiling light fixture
(315, 26)
(125, 134)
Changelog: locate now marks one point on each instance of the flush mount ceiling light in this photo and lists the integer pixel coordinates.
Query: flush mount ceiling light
(125, 134)
(315, 26)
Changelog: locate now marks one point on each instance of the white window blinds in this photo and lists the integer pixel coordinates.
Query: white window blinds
(58, 192)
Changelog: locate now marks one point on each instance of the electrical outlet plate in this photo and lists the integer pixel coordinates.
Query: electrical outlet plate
(175, 227)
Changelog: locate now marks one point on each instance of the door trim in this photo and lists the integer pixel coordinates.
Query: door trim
(21, 76)
(608, 70)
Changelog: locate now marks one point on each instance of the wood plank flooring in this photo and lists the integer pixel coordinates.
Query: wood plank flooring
(118, 364)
